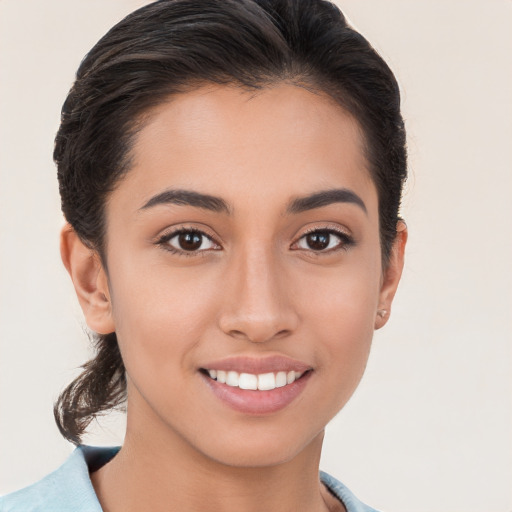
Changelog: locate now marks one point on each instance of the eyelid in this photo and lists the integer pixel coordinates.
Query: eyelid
(194, 227)
(327, 227)
(169, 233)
(347, 239)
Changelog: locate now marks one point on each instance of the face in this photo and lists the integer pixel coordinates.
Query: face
(243, 245)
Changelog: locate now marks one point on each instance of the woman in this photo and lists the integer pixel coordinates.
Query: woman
(231, 174)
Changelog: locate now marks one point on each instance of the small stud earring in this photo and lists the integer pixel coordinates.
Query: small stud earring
(382, 313)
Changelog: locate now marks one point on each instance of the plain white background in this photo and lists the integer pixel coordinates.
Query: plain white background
(429, 429)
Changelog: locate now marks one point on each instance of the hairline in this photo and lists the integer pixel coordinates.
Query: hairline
(144, 117)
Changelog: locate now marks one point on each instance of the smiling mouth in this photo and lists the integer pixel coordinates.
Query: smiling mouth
(255, 382)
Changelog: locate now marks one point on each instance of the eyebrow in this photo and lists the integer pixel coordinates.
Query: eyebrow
(218, 205)
(325, 198)
(188, 198)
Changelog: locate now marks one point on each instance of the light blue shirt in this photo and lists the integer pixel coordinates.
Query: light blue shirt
(69, 488)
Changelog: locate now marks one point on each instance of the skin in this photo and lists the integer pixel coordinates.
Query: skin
(254, 288)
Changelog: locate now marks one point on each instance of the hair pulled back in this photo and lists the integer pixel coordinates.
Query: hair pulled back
(172, 46)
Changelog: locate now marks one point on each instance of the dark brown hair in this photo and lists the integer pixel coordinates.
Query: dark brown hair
(172, 46)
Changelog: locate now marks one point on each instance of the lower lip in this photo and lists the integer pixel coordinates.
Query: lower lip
(258, 402)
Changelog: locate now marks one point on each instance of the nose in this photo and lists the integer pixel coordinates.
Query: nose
(257, 305)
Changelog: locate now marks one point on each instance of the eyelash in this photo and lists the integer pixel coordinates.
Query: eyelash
(345, 241)
(164, 240)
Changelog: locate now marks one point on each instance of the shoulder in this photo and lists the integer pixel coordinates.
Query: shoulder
(343, 493)
(67, 488)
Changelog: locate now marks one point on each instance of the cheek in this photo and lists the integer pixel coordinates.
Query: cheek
(345, 325)
(159, 311)
(342, 299)
(341, 319)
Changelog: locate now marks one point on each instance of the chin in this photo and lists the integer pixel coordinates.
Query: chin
(263, 449)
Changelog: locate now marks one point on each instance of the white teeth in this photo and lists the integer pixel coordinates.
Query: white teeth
(261, 382)
(232, 379)
(266, 381)
(281, 379)
(248, 381)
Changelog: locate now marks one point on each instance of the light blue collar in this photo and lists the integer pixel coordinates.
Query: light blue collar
(69, 488)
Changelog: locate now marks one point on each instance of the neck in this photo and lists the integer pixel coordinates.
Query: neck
(163, 472)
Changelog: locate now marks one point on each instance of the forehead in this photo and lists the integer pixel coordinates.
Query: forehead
(225, 140)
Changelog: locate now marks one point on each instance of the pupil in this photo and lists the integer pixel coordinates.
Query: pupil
(189, 241)
(318, 241)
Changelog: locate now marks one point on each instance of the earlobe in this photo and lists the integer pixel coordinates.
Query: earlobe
(89, 279)
(391, 275)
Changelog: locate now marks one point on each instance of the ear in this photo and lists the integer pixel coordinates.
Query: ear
(391, 276)
(89, 279)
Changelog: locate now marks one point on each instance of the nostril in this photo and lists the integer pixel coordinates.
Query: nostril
(256, 337)
(237, 334)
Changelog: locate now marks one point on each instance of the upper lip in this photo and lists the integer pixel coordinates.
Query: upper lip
(257, 365)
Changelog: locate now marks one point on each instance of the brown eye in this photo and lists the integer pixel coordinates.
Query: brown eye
(190, 241)
(318, 241)
(324, 240)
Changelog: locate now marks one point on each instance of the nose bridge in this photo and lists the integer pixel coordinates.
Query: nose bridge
(257, 306)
